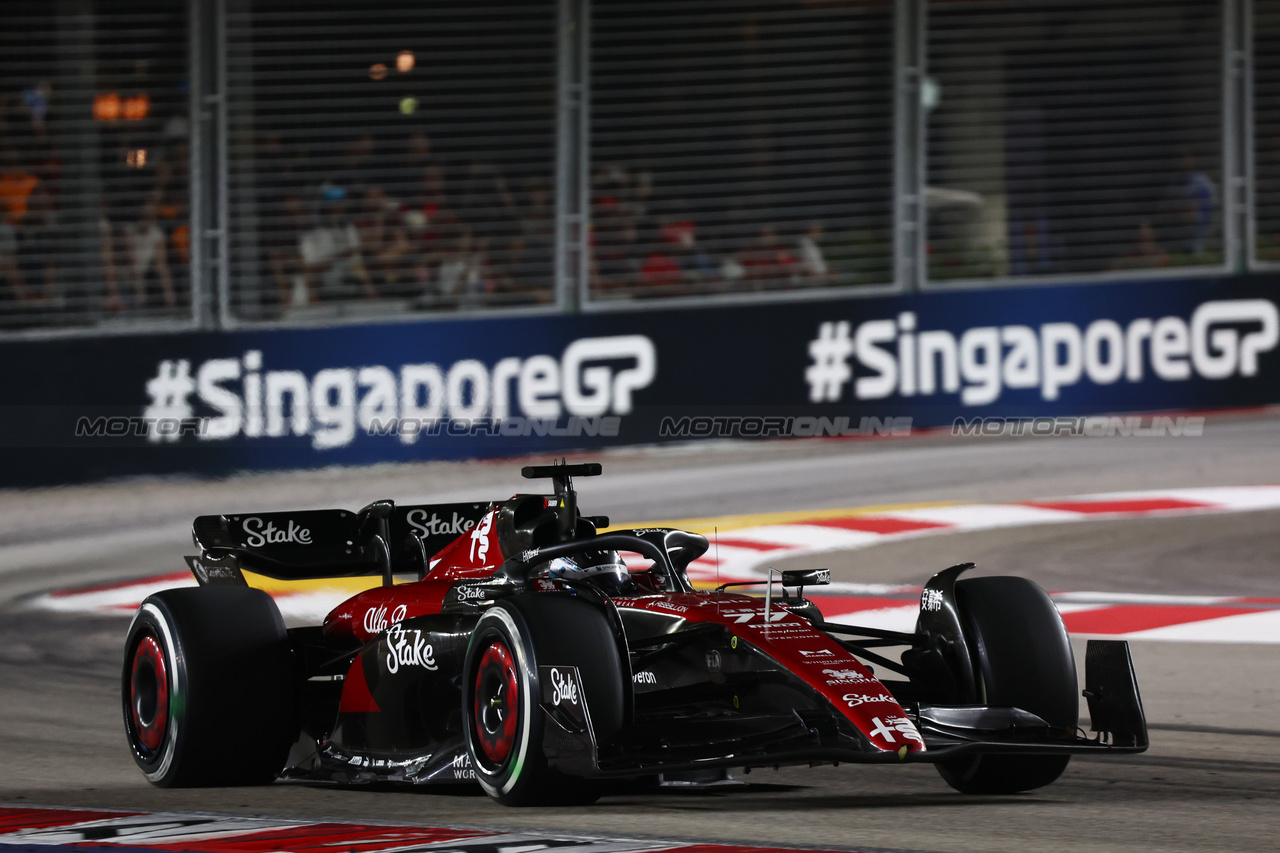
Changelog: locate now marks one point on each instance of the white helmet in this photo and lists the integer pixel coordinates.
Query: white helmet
(603, 568)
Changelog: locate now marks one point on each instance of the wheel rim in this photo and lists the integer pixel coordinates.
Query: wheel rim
(497, 702)
(149, 694)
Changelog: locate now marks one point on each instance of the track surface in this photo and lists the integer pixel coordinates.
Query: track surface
(1210, 782)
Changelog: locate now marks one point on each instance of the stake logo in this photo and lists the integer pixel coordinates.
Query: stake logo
(564, 688)
(436, 526)
(401, 651)
(258, 533)
(853, 700)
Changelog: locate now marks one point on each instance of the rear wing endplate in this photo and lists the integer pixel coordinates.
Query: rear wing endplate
(380, 539)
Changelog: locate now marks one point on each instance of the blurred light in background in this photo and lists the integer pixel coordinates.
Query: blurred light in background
(377, 71)
(405, 61)
(136, 108)
(409, 105)
(109, 106)
(930, 94)
(106, 106)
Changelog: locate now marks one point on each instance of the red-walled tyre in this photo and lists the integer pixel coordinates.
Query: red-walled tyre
(208, 688)
(1022, 656)
(501, 695)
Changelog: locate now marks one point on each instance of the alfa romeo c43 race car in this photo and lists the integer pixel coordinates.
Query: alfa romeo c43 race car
(512, 644)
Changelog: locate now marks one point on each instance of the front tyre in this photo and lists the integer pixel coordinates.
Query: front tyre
(208, 688)
(501, 704)
(1022, 657)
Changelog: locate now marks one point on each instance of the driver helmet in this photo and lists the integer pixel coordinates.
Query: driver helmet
(601, 568)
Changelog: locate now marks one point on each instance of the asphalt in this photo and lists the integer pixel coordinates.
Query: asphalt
(1211, 780)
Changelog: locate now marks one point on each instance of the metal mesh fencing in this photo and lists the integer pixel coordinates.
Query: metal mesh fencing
(1070, 138)
(740, 147)
(394, 158)
(94, 224)
(1266, 131)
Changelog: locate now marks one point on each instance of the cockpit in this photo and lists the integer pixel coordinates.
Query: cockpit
(547, 537)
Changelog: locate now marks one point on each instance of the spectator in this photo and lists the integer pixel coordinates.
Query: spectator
(537, 223)
(813, 262)
(425, 223)
(173, 174)
(330, 252)
(732, 272)
(661, 270)
(1147, 252)
(146, 249)
(516, 279)
(16, 185)
(768, 264)
(108, 251)
(616, 259)
(433, 201)
(486, 202)
(382, 230)
(46, 164)
(461, 272)
(630, 192)
(10, 271)
(180, 233)
(508, 264)
(39, 241)
(282, 227)
(682, 239)
(485, 273)
(536, 216)
(1194, 201)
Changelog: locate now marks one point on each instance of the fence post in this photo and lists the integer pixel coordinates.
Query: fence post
(573, 149)
(1238, 213)
(909, 212)
(210, 304)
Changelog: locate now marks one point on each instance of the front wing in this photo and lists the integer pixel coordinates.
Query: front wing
(812, 734)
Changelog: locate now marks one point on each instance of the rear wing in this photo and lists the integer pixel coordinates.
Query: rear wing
(381, 539)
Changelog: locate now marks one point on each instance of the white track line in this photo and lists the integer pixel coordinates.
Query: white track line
(747, 551)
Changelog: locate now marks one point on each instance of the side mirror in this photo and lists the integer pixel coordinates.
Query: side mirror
(806, 577)
(377, 510)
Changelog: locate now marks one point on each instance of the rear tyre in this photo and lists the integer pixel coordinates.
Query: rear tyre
(1022, 657)
(208, 688)
(501, 695)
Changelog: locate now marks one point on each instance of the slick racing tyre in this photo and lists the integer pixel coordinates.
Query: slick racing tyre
(208, 688)
(502, 692)
(1022, 657)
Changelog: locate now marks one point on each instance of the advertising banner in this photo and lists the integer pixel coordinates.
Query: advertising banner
(216, 402)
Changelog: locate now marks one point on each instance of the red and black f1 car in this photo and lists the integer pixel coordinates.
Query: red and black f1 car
(509, 643)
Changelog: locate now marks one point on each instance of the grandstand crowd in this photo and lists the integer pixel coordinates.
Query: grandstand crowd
(381, 220)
